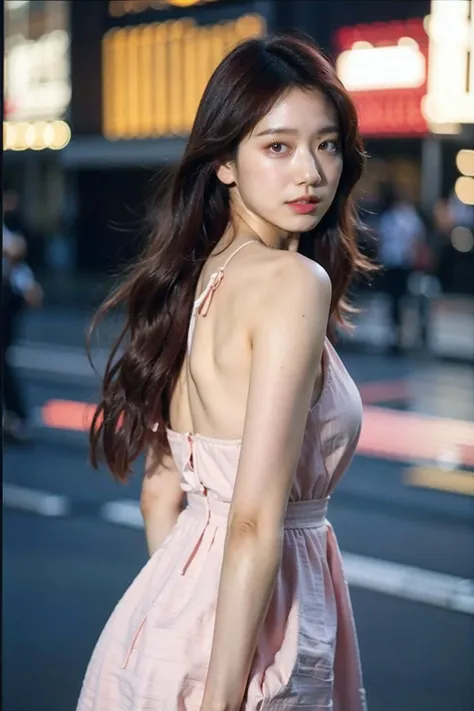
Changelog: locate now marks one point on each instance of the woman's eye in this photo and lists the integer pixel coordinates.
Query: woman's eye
(277, 148)
(330, 146)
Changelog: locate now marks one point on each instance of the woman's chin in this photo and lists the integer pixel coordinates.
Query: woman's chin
(302, 223)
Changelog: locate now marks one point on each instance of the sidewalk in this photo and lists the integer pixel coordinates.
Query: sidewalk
(451, 322)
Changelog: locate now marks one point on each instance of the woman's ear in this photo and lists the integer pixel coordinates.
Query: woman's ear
(225, 173)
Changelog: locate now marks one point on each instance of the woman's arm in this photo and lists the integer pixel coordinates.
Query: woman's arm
(287, 346)
(161, 499)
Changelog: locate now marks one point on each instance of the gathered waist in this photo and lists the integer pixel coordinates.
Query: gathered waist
(310, 513)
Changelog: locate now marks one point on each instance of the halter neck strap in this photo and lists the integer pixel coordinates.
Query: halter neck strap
(202, 303)
(229, 259)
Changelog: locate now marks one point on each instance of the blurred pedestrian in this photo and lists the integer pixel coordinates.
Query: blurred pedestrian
(227, 377)
(19, 290)
(402, 249)
(12, 218)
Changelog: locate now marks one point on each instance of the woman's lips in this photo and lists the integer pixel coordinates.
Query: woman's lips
(303, 207)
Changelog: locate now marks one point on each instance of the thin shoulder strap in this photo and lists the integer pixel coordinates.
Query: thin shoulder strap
(202, 303)
(234, 254)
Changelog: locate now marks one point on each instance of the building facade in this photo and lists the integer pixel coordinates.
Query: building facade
(410, 70)
(37, 91)
(138, 72)
(101, 95)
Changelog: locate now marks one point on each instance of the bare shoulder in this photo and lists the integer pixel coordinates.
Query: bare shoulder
(283, 282)
(299, 275)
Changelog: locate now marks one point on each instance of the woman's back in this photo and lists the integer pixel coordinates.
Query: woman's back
(211, 394)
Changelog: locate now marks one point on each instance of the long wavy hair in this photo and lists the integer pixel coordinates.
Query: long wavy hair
(193, 213)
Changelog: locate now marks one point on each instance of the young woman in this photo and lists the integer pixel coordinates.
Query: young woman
(226, 376)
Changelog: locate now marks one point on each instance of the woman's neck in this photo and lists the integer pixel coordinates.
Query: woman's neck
(241, 231)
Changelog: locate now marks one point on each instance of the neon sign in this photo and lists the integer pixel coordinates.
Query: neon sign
(154, 75)
(384, 66)
(450, 98)
(37, 76)
(368, 68)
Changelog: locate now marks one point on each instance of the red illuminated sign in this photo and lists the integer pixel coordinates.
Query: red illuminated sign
(384, 66)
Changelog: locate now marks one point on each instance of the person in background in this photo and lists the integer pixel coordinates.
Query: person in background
(401, 248)
(19, 290)
(12, 218)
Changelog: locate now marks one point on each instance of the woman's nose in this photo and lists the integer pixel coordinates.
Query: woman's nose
(308, 170)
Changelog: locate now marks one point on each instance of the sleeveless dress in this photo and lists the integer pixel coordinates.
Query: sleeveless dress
(154, 650)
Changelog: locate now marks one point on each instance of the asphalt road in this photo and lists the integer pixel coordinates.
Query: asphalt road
(70, 551)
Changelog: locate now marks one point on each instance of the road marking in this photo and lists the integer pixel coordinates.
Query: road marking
(410, 436)
(410, 583)
(20, 498)
(452, 480)
(67, 415)
(394, 579)
(125, 513)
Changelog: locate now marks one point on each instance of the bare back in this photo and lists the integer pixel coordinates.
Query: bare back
(211, 394)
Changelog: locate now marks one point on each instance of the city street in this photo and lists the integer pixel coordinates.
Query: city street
(404, 517)
(140, 138)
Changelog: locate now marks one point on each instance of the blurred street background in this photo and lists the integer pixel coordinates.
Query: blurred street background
(99, 96)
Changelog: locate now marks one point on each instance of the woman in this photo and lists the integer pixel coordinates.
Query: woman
(226, 375)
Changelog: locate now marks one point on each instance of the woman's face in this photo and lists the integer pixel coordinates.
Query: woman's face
(287, 171)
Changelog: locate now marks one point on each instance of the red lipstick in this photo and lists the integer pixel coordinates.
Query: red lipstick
(304, 205)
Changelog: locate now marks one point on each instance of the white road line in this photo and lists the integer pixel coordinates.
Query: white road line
(18, 497)
(403, 581)
(125, 513)
(410, 583)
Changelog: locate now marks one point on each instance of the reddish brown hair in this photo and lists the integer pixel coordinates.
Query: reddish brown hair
(159, 290)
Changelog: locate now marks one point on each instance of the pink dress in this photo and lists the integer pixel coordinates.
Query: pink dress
(154, 651)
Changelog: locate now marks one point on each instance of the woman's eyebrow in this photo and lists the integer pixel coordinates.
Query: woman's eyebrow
(281, 129)
(330, 128)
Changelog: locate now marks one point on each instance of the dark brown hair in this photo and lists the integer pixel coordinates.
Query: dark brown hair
(159, 290)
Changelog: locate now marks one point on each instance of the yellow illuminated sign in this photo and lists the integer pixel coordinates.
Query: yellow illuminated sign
(154, 75)
(118, 8)
(35, 135)
(464, 186)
